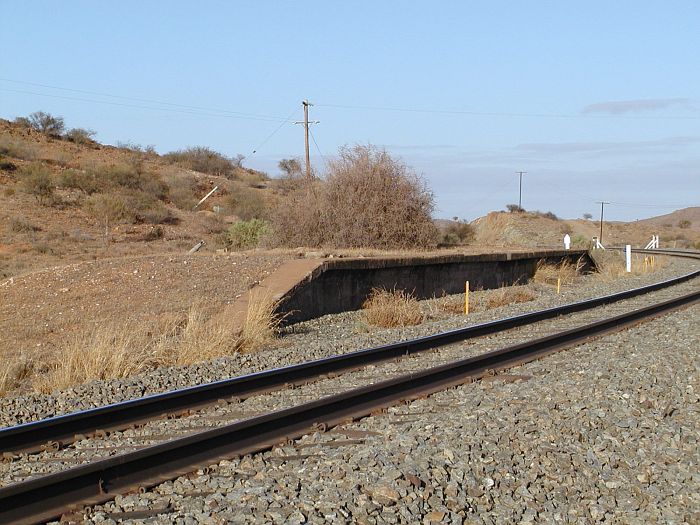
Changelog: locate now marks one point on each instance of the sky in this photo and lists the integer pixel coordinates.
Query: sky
(593, 100)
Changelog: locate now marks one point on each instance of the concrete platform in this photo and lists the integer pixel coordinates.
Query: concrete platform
(338, 285)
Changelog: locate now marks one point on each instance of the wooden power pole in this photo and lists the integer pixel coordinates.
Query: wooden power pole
(306, 124)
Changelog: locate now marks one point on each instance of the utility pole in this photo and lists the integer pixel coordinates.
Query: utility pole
(520, 194)
(306, 123)
(602, 206)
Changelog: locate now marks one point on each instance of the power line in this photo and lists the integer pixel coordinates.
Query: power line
(137, 99)
(508, 114)
(325, 161)
(286, 121)
(122, 104)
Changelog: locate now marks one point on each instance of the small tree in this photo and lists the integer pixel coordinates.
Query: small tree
(47, 123)
(291, 168)
(514, 208)
(587, 216)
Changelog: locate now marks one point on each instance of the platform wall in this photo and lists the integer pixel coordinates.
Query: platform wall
(340, 285)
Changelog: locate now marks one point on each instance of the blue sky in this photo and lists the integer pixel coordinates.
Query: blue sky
(599, 100)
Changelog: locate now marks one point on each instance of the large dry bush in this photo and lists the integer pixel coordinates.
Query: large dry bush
(369, 199)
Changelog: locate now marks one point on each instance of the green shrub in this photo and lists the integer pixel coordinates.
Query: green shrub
(684, 224)
(37, 181)
(244, 235)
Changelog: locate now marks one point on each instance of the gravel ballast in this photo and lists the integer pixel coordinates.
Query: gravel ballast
(604, 433)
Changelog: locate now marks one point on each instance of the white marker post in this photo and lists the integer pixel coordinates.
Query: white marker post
(628, 258)
(567, 242)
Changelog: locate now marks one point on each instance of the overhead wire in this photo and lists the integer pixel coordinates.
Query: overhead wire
(286, 121)
(138, 99)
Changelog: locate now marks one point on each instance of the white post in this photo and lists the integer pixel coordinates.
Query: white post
(205, 197)
(628, 257)
(567, 242)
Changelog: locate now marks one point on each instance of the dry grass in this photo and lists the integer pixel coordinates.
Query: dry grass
(509, 295)
(391, 308)
(611, 264)
(548, 273)
(112, 351)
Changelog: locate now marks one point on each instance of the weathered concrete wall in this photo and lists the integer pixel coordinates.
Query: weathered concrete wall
(339, 285)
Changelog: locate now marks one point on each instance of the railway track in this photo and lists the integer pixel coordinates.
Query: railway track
(173, 455)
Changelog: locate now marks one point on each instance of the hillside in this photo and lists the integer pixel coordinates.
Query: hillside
(689, 218)
(106, 201)
(534, 229)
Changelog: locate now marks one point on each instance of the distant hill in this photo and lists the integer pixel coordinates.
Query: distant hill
(692, 215)
(680, 229)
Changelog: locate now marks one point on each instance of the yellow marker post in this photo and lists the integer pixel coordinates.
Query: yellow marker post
(558, 285)
(466, 298)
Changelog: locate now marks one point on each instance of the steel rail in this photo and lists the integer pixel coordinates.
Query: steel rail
(48, 497)
(61, 430)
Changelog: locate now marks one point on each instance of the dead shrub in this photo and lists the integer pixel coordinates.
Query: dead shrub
(391, 308)
(46, 123)
(368, 200)
(509, 295)
(202, 159)
(181, 192)
(23, 225)
(458, 233)
(14, 371)
(18, 149)
(81, 136)
(37, 181)
(548, 273)
(246, 203)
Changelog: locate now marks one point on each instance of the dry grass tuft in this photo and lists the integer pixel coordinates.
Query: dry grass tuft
(548, 273)
(391, 308)
(14, 371)
(112, 351)
(509, 295)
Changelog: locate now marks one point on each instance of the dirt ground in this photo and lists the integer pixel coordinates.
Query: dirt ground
(40, 308)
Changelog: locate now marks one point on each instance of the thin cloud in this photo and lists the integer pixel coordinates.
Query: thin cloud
(664, 144)
(637, 106)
